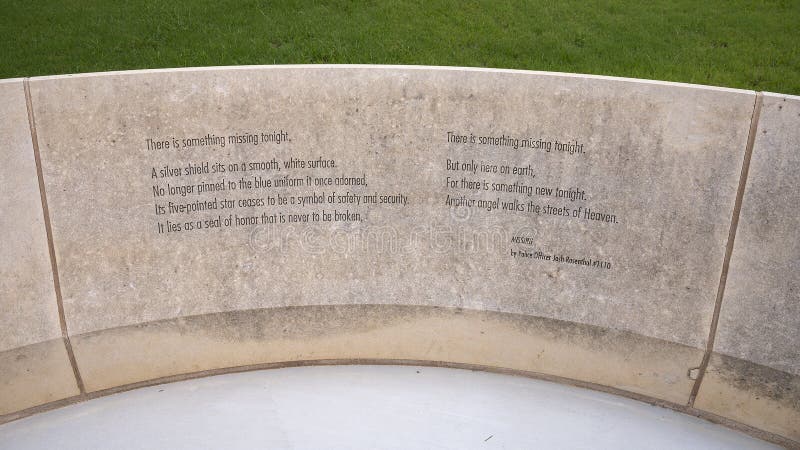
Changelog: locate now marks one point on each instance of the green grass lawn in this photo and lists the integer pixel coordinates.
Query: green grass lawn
(745, 44)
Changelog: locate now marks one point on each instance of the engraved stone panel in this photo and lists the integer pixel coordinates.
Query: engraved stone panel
(755, 378)
(588, 200)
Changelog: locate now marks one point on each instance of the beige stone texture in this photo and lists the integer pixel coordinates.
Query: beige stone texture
(28, 308)
(618, 359)
(755, 378)
(752, 394)
(34, 375)
(34, 368)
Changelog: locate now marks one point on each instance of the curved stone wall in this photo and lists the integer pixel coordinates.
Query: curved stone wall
(173, 223)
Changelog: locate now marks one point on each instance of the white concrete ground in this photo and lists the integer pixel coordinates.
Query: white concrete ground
(366, 407)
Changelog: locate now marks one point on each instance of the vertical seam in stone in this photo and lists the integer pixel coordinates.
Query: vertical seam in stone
(723, 278)
(50, 246)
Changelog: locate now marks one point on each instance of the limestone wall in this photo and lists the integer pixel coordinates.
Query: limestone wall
(170, 223)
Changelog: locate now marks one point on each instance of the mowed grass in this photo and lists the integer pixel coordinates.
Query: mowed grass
(744, 44)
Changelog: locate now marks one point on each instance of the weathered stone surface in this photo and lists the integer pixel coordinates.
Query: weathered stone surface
(659, 161)
(357, 332)
(34, 368)
(759, 326)
(34, 375)
(760, 316)
(28, 309)
(752, 394)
